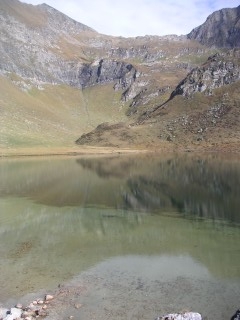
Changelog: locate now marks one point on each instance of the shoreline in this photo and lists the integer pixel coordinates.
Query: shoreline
(38, 152)
(230, 148)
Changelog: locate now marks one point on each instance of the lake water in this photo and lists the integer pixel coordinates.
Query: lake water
(130, 237)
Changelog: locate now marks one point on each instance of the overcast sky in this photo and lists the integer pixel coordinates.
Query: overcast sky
(139, 17)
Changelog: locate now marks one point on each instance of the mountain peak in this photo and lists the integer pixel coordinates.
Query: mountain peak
(221, 29)
(40, 16)
(63, 20)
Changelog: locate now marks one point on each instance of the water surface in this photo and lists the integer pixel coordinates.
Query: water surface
(160, 233)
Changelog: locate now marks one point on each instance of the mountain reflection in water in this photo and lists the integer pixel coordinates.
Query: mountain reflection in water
(203, 187)
(189, 185)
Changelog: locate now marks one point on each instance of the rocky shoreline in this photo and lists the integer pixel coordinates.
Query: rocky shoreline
(36, 309)
(39, 309)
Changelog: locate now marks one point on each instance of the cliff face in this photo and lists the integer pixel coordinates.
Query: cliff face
(219, 70)
(106, 70)
(221, 29)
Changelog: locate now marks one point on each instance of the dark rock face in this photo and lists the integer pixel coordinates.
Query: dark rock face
(221, 29)
(105, 71)
(219, 70)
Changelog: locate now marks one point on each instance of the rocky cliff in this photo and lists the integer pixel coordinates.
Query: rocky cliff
(221, 29)
(106, 70)
(220, 69)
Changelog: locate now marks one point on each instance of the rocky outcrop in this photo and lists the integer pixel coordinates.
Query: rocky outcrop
(221, 29)
(219, 70)
(97, 133)
(140, 52)
(106, 70)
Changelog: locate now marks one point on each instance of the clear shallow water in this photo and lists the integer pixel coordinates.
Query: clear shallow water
(159, 233)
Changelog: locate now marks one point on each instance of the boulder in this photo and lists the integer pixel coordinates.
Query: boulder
(3, 312)
(14, 314)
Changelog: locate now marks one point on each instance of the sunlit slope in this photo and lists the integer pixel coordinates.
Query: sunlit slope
(53, 115)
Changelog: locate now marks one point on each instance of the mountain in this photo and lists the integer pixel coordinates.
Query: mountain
(61, 80)
(221, 29)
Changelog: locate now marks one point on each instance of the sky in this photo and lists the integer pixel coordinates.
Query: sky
(131, 18)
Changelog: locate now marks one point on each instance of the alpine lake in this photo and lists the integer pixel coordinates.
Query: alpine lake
(123, 236)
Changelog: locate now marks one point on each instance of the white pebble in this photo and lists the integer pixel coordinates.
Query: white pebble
(48, 297)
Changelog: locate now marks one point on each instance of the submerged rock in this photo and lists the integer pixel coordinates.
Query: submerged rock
(236, 316)
(181, 316)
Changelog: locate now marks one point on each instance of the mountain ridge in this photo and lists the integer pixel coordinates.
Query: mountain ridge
(221, 29)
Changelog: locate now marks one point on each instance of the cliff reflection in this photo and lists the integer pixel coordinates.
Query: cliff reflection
(206, 187)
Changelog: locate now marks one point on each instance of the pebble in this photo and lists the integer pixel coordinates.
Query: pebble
(31, 306)
(48, 297)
